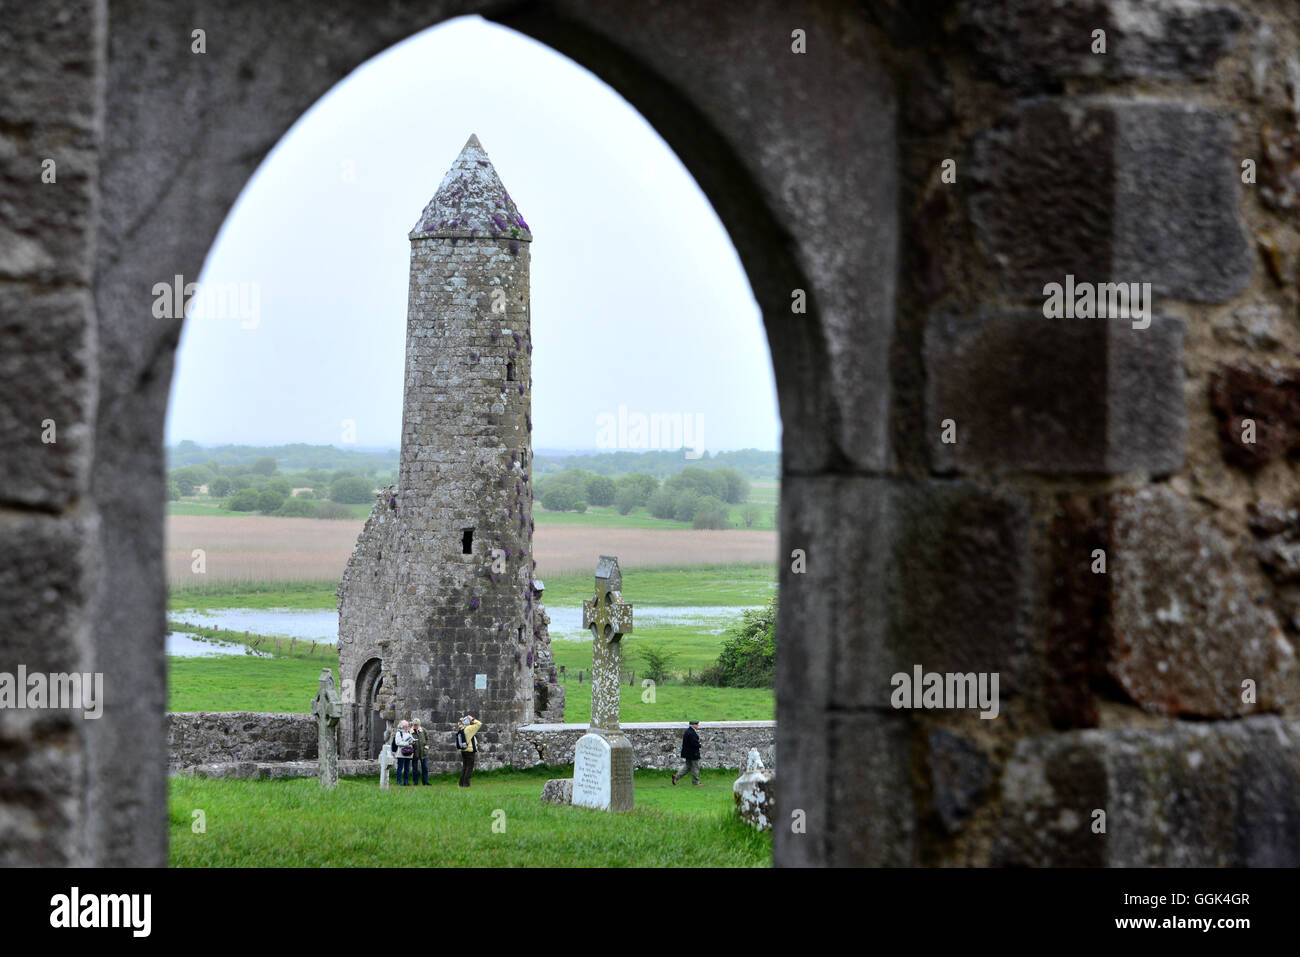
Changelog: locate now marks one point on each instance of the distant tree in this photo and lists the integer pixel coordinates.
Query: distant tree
(685, 505)
(748, 658)
(657, 659)
(737, 486)
(187, 479)
(263, 466)
(749, 514)
(660, 504)
(642, 486)
(710, 513)
(626, 499)
(278, 484)
(579, 506)
(219, 487)
(352, 490)
(333, 510)
(296, 508)
(245, 500)
(600, 490)
(240, 482)
(268, 500)
(559, 497)
(173, 491)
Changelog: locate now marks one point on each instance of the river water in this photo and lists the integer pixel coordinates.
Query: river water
(322, 625)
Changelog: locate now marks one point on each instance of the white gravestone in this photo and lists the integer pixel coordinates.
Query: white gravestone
(591, 772)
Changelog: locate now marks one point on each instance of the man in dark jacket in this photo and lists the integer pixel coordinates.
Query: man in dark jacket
(419, 760)
(691, 752)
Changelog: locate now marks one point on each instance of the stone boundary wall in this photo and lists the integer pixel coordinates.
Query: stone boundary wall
(222, 737)
(197, 738)
(723, 744)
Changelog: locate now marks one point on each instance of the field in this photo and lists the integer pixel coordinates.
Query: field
(264, 548)
(239, 682)
(498, 822)
(704, 584)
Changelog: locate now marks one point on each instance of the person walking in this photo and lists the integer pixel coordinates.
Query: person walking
(691, 753)
(405, 749)
(420, 757)
(469, 728)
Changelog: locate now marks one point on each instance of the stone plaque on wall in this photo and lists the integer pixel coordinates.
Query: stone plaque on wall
(591, 772)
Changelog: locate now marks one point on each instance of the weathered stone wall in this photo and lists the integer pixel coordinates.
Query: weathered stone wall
(421, 592)
(210, 737)
(723, 744)
(1098, 533)
(226, 738)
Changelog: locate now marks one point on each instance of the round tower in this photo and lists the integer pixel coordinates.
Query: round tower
(436, 608)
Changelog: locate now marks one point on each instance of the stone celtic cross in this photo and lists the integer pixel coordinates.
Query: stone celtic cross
(328, 709)
(609, 618)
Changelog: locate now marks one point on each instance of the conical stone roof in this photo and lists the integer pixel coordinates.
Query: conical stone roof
(472, 202)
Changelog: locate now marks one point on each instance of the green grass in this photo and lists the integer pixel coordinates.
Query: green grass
(243, 683)
(203, 505)
(296, 823)
(673, 702)
(255, 594)
(742, 584)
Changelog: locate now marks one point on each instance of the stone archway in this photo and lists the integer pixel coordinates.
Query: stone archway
(371, 724)
(754, 170)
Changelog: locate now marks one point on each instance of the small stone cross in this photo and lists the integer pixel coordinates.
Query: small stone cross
(609, 618)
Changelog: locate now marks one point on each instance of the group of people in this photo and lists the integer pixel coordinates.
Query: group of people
(409, 746)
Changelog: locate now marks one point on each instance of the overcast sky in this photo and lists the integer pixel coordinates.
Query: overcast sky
(638, 298)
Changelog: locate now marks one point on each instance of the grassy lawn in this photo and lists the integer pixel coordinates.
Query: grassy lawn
(296, 823)
(282, 684)
(242, 683)
(241, 594)
(203, 505)
(677, 587)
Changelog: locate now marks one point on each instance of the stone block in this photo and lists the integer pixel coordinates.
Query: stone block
(935, 573)
(1035, 45)
(870, 813)
(46, 584)
(1215, 794)
(45, 377)
(1028, 393)
(960, 776)
(51, 72)
(1111, 191)
(558, 791)
(1183, 630)
(1268, 396)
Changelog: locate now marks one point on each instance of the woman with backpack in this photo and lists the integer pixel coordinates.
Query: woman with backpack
(404, 742)
(466, 729)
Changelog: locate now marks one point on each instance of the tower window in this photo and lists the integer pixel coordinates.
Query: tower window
(510, 372)
(467, 541)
